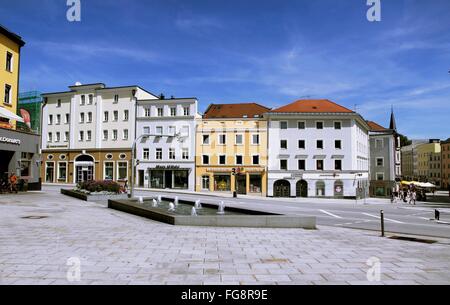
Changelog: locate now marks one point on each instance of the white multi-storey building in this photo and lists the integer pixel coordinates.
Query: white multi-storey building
(88, 132)
(166, 159)
(317, 148)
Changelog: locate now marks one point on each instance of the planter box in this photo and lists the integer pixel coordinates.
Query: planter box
(93, 198)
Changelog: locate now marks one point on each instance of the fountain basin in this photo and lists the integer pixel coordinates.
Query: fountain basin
(234, 217)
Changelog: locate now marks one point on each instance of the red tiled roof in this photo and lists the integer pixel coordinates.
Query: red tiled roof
(375, 127)
(313, 106)
(242, 110)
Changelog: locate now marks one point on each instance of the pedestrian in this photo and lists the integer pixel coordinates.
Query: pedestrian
(414, 197)
(13, 183)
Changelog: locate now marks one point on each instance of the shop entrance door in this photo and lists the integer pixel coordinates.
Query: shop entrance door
(168, 179)
(141, 178)
(241, 184)
(50, 172)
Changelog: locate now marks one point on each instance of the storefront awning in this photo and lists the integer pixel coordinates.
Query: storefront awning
(9, 115)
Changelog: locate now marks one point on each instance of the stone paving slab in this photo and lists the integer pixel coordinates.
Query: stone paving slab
(121, 249)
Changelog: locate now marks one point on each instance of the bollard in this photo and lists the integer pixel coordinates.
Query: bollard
(437, 215)
(382, 223)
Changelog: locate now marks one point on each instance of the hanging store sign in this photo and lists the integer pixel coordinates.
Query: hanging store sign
(10, 141)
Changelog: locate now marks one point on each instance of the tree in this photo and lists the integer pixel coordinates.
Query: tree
(404, 141)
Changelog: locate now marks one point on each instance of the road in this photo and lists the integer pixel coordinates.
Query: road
(403, 219)
(399, 218)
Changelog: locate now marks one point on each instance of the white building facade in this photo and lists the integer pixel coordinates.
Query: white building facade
(88, 132)
(166, 159)
(317, 149)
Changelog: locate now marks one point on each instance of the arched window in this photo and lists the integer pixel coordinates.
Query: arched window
(320, 188)
(338, 188)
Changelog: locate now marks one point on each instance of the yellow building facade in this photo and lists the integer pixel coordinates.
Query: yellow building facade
(428, 162)
(10, 45)
(232, 150)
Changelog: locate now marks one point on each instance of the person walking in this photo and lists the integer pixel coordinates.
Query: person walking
(13, 183)
(414, 197)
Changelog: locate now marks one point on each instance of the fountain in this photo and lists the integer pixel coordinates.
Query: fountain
(171, 207)
(159, 199)
(198, 205)
(176, 201)
(141, 199)
(194, 212)
(221, 208)
(155, 203)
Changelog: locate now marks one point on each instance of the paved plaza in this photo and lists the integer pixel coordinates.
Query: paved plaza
(42, 234)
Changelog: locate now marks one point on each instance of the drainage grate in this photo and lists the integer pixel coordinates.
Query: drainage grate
(34, 217)
(417, 240)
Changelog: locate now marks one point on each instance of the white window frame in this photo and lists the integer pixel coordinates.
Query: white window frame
(259, 159)
(82, 118)
(235, 139)
(113, 167)
(323, 125)
(169, 153)
(173, 114)
(218, 159)
(105, 116)
(259, 138)
(304, 122)
(82, 100)
(185, 153)
(376, 176)
(187, 111)
(57, 137)
(147, 112)
(235, 160)
(145, 129)
(287, 125)
(50, 137)
(115, 116)
(157, 150)
(287, 164)
(66, 136)
(81, 136)
(50, 119)
(323, 144)
(159, 112)
(287, 145)
(58, 119)
(157, 130)
(298, 164)
(58, 178)
(105, 135)
(218, 139)
(382, 162)
(115, 135)
(144, 152)
(125, 134)
(90, 99)
(209, 159)
(340, 125)
(298, 142)
(203, 139)
(11, 68)
(126, 115)
(118, 168)
(116, 98)
(67, 118)
(88, 136)
(340, 141)
(89, 117)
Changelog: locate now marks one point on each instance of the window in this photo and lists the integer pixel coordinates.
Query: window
(66, 136)
(379, 143)
(105, 135)
(125, 134)
(338, 144)
(171, 153)
(146, 154)
(122, 170)
(105, 116)
(91, 99)
(184, 131)
(239, 160)
(239, 139)
(160, 112)
(125, 115)
(301, 125)
(146, 112)
(380, 162)
(83, 100)
(82, 117)
(109, 170)
(283, 165)
(173, 111)
(62, 171)
(9, 62)
(146, 130)
(338, 165)
(205, 182)
(255, 160)
(222, 160)
(205, 160)
(50, 137)
(158, 154)
(319, 144)
(116, 98)
(186, 111)
(319, 165)
(67, 118)
(319, 125)
(301, 144)
(7, 94)
(302, 165)
(283, 125)
(380, 176)
(255, 139)
(115, 115)
(114, 136)
(58, 137)
(222, 139)
(337, 125)
(185, 154)
(81, 136)
(283, 144)
(89, 118)
(58, 119)
(159, 130)
(89, 135)
(50, 119)
(171, 130)
(206, 139)
(58, 103)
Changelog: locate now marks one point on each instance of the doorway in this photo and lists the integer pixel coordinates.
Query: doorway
(282, 188)
(241, 184)
(168, 179)
(302, 189)
(141, 178)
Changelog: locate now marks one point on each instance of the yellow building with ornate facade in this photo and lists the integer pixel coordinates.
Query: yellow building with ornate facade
(231, 145)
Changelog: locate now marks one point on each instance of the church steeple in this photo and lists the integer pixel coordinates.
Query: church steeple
(393, 125)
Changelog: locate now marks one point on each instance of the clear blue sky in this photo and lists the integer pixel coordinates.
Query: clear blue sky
(270, 52)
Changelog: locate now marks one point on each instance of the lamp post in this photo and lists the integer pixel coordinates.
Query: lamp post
(133, 155)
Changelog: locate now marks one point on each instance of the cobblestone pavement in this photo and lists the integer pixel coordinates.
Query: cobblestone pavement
(117, 248)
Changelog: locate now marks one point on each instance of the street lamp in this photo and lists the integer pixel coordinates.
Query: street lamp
(133, 155)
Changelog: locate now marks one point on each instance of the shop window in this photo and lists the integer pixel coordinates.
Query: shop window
(320, 188)
(205, 182)
(255, 184)
(222, 183)
(181, 179)
(109, 170)
(62, 171)
(122, 170)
